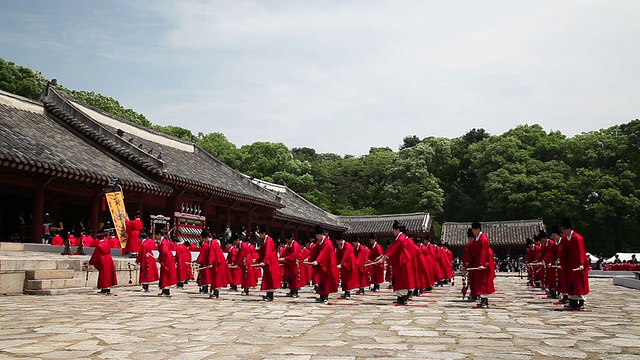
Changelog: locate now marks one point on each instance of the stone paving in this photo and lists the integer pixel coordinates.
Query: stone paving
(133, 325)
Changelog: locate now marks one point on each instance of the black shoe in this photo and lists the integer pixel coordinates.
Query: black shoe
(245, 292)
(416, 292)
(484, 303)
(266, 298)
(428, 289)
(580, 304)
(572, 305)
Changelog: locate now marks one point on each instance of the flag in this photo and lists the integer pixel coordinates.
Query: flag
(115, 200)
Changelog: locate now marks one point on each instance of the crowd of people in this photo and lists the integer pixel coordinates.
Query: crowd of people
(555, 262)
(344, 265)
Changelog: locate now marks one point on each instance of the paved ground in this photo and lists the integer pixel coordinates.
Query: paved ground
(136, 325)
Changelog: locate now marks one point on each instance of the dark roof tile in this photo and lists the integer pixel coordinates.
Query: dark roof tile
(382, 225)
(500, 233)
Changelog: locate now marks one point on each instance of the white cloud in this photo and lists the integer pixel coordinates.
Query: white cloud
(368, 73)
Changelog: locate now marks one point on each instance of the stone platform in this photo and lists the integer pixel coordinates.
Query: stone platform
(49, 273)
(521, 324)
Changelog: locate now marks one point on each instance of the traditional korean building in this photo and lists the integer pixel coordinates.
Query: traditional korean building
(58, 155)
(417, 224)
(506, 237)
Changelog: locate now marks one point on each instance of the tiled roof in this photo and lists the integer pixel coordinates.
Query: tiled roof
(382, 225)
(500, 233)
(299, 209)
(179, 162)
(32, 141)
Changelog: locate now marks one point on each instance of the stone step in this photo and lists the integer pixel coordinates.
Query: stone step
(74, 290)
(48, 274)
(9, 246)
(50, 284)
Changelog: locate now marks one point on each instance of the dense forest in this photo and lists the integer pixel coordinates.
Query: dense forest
(527, 172)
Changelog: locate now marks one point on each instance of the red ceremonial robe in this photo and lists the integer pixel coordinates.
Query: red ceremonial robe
(148, 265)
(102, 260)
(295, 269)
(361, 253)
(561, 273)
(307, 270)
(549, 258)
(183, 263)
(481, 255)
(400, 258)
(376, 271)
(313, 269)
(572, 255)
(438, 274)
(57, 241)
(424, 252)
(133, 236)
(326, 269)
(349, 276)
(271, 276)
(219, 270)
(204, 275)
(243, 261)
(419, 266)
(235, 274)
(167, 264)
(448, 266)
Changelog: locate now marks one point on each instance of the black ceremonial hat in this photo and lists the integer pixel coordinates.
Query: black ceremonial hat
(262, 229)
(318, 230)
(476, 225)
(567, 224)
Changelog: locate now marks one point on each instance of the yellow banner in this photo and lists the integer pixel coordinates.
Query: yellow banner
(115, 200)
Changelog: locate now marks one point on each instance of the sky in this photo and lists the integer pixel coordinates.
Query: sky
(341, 76)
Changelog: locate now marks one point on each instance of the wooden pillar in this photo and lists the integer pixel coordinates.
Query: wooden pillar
(141, 197)
(37, 215)
(172, 205)
(228, 219)
(250, 222)
(94, 213)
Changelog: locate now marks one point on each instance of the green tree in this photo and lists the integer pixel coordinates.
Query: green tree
(20, 80)
(107, 104)
(220, 147)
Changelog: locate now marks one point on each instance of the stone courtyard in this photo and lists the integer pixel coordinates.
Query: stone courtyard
(522, 324)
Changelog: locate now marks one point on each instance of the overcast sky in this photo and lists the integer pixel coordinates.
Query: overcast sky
(341, 76)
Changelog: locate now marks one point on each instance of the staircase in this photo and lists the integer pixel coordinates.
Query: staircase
(53, 282)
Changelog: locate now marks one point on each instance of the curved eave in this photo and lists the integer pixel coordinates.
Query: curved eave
(73, 173)
(200, 186)
(100, 139)
(280, 216)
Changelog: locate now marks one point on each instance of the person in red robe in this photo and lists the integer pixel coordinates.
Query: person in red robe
(530, 258)
(244, 262)
(361, 254)
(429, 263)
(466, 259)
(349, 275)
(323, 260)
(307, 270)
(376, 271)
(167, 262)
(481, 263)
(292, 261)
(419, 267)
(204, 276)
(573, 259)
(399, 255)
(183, 262)
(113, 241)
(101, 259)
(148, 264)
(538, 269)
(219, 269)
(57, 240)
(548, 252)
(235, 274)
(268, 260)
(133, 228)
(559, 274)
